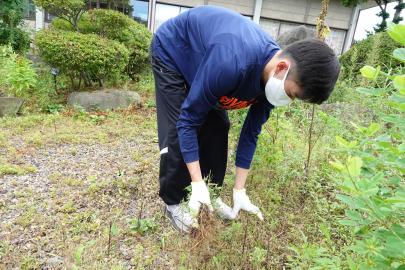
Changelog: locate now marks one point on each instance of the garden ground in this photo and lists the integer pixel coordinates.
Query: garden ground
(79, 190)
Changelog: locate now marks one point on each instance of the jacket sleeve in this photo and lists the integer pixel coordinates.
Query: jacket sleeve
(257, 115)
(217, 75)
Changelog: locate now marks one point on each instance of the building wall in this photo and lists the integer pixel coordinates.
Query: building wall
(278, 16)
(306, 11)
(244, 7)
(187, 3)
(303, 11)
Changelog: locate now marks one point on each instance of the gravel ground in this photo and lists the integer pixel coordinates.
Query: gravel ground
(76, 192)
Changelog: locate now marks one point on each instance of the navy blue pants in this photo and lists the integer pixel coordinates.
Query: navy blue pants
(171, 90)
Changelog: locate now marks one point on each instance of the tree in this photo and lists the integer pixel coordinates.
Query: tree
(11, 15)
(68, 10)
(398, 8)
(382, 4)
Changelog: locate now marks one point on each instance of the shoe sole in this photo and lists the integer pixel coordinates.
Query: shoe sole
(173, 222)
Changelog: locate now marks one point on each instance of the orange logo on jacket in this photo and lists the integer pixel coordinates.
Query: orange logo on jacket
(232, 103)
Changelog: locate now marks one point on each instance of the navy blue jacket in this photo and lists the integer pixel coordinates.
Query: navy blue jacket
(221, 55)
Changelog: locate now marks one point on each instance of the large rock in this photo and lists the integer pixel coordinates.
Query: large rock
(295, 34)
(104, 99)
(10, 106)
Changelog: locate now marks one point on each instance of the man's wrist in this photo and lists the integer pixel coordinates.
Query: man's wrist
(240, 178)
(195, 171)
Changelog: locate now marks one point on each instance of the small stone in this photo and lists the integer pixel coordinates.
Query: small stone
(54, 262)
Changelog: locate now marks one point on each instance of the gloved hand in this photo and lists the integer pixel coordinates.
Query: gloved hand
(223, 210)
(199, 195)
(241, 201)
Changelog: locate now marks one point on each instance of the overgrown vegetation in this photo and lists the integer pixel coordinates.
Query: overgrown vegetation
(11, 14)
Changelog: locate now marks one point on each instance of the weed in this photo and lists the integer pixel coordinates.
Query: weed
(68, 208)
(29, 263)
(15, 169)
(142, 226)
(27, 217)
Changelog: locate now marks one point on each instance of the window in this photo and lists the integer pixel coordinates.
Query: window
(165, 12)
(140, 11)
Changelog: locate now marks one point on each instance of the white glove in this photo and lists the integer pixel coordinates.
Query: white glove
(199, 195)
(241, 201)
(223, 210)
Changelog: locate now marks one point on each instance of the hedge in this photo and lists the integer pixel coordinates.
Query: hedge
(116, 26)
(81, 56)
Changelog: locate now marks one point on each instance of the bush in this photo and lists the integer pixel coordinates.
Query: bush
(117, 26)
(10, 18)
(18, 76)
(375, 50)
(61, 24)
(370, 181)
(88, 57)
(69, 10)
(16, 37)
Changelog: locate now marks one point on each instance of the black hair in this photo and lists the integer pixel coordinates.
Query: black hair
(315, 68)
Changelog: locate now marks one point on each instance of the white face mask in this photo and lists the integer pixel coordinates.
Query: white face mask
(275, 92)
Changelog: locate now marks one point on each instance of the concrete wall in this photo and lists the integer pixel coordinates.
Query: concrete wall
(307, 11)
(302, 11)
(244, 7)
(187, 3)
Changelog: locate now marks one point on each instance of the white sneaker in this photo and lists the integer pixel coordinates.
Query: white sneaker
(180, 217)
(223, 210)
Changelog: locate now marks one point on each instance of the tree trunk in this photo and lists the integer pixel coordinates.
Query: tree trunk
(398, 8)
(383, 14)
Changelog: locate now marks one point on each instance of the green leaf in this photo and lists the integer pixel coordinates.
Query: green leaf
(348, 222)
(397, 33)
(395, 119)
(369, 72)
(399, 54)
(78, 254)
(350, 201)
(372, 129)
(345, 143)
(114, 229)
(354, 166)
(399, 82)
(372, 91)
(342, 141)
(337, 165)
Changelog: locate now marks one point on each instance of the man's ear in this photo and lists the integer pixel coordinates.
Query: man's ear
(282, 65)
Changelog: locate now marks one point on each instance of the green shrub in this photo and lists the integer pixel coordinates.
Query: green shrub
(371, 182)
(69, 10)
(83, 56)
(375, 50)
(61, 24)
(18, 76)
(14, 36)
(117, 26)
(10, 18)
